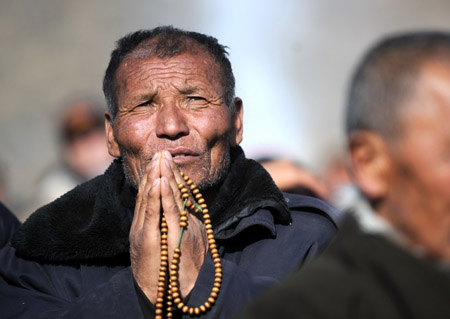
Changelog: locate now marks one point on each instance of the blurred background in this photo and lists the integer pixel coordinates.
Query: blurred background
(291, 58)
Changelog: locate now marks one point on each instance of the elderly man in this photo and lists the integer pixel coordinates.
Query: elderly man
(144, 239)
(393, 259)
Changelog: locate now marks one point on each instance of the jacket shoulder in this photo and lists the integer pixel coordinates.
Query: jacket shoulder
(301, 203)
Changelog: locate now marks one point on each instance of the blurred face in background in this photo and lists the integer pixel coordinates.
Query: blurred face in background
(417, 199)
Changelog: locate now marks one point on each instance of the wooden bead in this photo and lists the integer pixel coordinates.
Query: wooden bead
(202, 308)
(211, 300)
(216, 290)
(190, 182)
(201, 201)
(185, 177)
(206, 211)
(203, 205)
(185, 309)
(185, 195)
(183, 218)
(179, 304)
(195, 191)
(213, 294)
(188, 203)
(180, 186)
(191, 311)
(207, 305)
(184, 190)
(205, 216)
(183, 224)
(183, 213)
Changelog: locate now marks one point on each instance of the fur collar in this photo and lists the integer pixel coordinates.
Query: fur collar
(92, 221)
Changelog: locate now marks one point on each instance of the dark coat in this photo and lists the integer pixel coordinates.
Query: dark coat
(360, 275)
(8, 224)
(70, 259)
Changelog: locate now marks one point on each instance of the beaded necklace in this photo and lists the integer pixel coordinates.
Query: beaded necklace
(173, 297)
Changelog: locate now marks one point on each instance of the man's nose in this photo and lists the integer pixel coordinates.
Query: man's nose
(171, 122)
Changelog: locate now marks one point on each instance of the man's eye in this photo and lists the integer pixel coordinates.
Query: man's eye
(146, 103)
(196, 98)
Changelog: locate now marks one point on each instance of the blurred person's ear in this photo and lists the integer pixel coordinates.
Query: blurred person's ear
(113, 147)
(237, 121)
(370, 164)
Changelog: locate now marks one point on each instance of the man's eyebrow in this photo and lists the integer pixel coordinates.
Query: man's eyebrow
(144, 97)
(188, 90)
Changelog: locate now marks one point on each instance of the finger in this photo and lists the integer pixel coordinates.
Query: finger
(169, 169)
(171, 210)
(173, 167)
(152, 172)
(153, 209)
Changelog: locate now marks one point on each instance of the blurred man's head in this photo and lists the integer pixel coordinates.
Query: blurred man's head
(399, 138)
(83, 139)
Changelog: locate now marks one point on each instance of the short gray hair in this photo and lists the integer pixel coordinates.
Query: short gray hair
(387, 76)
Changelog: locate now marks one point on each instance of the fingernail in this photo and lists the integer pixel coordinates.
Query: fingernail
(155, 182)
(166, 161)
(155, 156)
(167, 154)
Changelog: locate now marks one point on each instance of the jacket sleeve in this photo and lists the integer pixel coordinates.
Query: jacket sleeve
(31, 290)
(238, 288)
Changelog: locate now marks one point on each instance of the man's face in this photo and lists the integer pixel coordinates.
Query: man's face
(173, 104)
(419, 192)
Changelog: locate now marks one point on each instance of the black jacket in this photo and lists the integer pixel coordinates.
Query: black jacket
(363, 276)
(70, 259)
(8, 224)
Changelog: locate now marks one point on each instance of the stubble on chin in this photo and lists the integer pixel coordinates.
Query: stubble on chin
(208, 182)
(130, 176)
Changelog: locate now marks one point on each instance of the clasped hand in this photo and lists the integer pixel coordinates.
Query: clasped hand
(158, 193)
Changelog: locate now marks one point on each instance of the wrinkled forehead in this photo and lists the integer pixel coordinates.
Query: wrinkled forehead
(189, 51)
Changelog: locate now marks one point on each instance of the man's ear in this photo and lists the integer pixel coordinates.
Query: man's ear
(237, 121)
(113, 147)
(371, 163)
